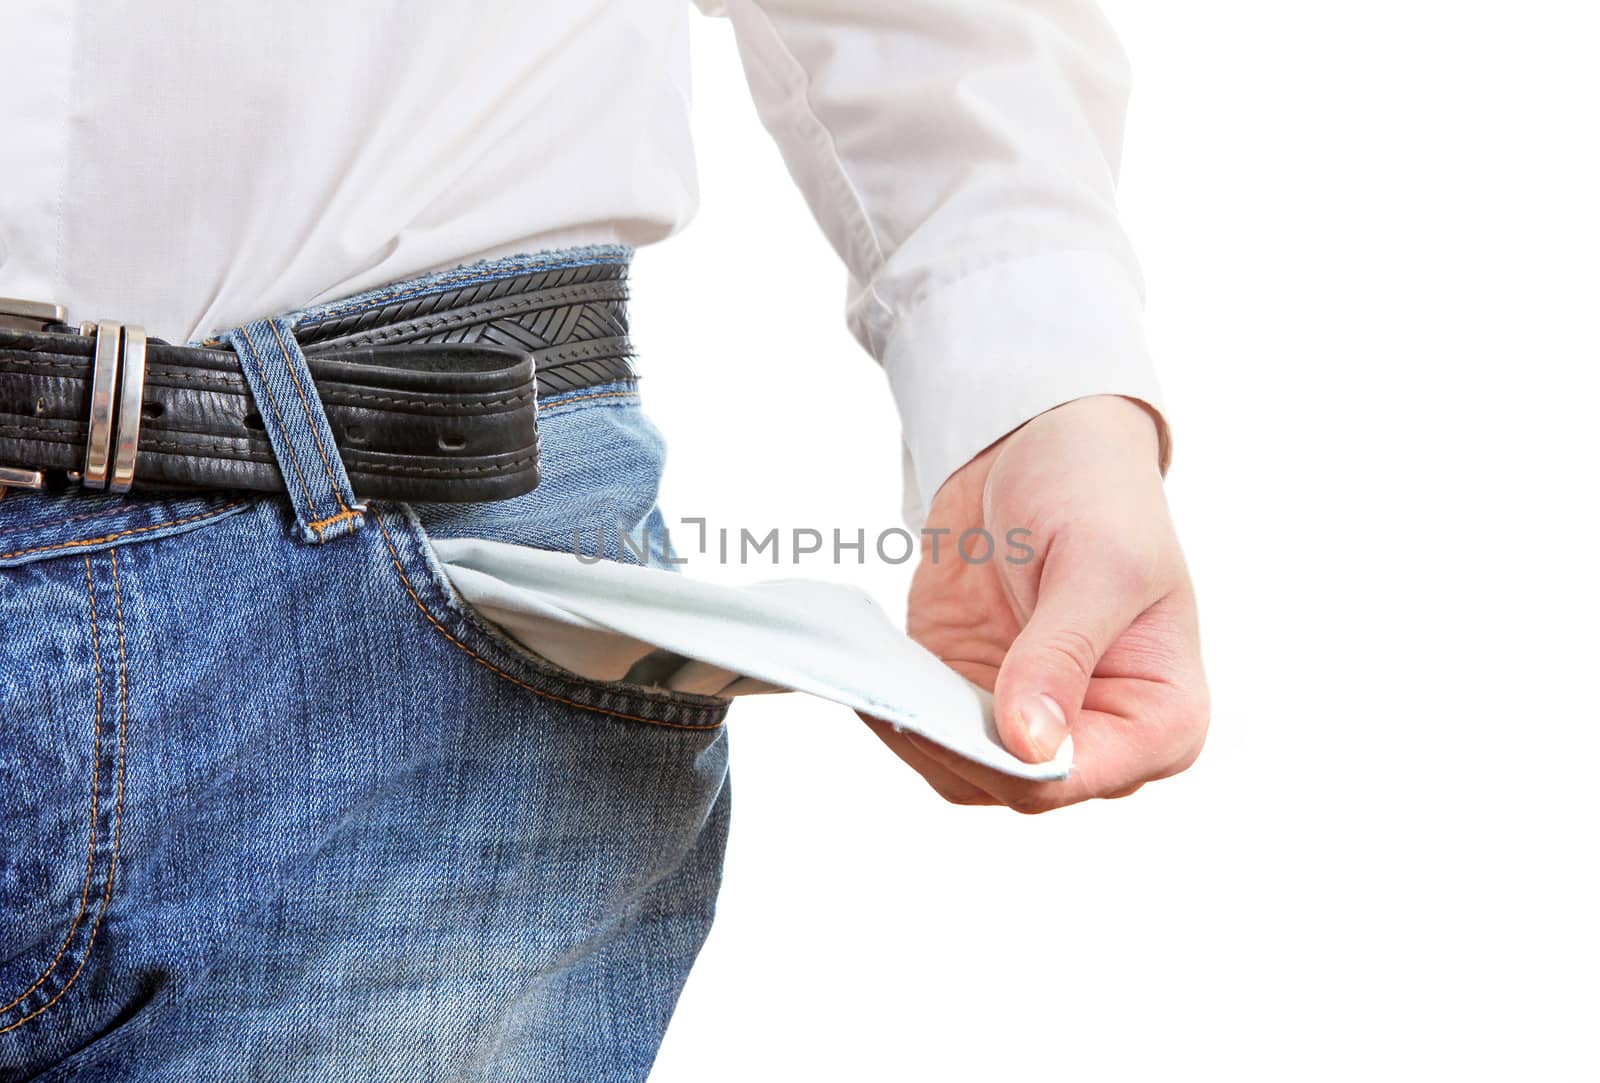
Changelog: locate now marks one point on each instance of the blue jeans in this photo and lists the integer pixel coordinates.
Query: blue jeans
(274, 805)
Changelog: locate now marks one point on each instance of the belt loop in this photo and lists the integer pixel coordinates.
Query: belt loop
(302, 441)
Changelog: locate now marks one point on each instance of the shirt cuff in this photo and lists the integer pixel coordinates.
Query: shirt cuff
(988, 351)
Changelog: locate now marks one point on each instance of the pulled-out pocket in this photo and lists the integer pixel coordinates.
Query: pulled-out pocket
(425, 586)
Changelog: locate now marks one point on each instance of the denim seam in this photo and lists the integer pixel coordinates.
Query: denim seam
(94, 821)
(124, 533)
(319, 525)
(273, 398)
(311, 423)
(51, 524)
(394, 555)
(551, 407)
(122, 764)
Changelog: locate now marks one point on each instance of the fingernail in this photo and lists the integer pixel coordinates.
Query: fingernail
(1047, 725)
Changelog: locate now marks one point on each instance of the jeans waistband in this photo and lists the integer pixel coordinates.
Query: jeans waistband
(567, 310)
(421, 389)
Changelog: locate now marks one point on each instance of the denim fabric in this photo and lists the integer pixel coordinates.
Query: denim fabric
(272, 810)
(302, 440)
(599, 483)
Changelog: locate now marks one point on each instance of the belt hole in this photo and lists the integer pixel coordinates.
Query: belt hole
(451, 441)
(355, 434)
(152, 410)
(252, 420)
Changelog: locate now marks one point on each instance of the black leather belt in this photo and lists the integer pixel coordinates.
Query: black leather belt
(430, 398)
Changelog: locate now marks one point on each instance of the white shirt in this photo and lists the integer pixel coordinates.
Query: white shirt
(191, 165)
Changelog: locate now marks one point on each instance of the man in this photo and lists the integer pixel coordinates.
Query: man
(278, 804)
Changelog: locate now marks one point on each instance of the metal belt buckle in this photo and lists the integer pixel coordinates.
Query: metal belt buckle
(20, 315)
(115, 404)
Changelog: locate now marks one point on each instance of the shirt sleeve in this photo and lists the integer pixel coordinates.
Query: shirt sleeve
(961, 158)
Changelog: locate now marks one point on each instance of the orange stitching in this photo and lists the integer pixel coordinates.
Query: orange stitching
(255, 352)
(94, 818)
(116, 831)
(123, 533)
(502, 674)
(305, 404)
(49, 523)
(320, 524)
(581, 398)
(122, 721)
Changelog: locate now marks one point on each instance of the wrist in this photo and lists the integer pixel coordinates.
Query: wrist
(1099, 434)
(1097, 431)
(1113, 421)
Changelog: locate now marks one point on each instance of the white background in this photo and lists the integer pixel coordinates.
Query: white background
(1371, 242)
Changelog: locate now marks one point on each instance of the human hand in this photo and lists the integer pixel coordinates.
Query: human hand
(1095, 634)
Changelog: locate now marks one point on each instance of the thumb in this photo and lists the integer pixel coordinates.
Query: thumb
(1082, 609)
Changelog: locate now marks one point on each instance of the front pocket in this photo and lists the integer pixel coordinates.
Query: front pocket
(63, 771)
(426, 588)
